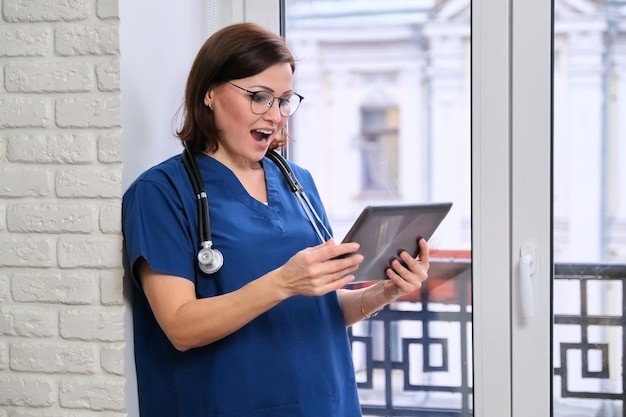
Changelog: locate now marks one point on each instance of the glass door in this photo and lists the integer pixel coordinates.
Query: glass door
(538, 187)
(567, 158)
(589, 218)
(386, 121)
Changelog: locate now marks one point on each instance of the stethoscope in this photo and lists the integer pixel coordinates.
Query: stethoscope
(210, 260)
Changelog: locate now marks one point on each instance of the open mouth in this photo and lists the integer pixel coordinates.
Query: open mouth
(261, 135)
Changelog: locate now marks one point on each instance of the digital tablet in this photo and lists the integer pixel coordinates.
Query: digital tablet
(384, 231)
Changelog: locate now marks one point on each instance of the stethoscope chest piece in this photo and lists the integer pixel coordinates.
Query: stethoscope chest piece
(209, 260)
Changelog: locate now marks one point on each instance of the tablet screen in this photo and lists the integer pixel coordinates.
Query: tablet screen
(383, 231)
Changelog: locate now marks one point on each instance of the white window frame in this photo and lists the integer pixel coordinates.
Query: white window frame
(491, 254)
(511, 181)
(531, 186)
(263, 12)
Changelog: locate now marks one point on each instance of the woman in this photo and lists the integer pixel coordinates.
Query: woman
(265, 335)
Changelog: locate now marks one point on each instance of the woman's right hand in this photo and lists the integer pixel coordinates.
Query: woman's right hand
(320, 269)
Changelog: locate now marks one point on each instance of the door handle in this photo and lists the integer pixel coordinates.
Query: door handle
(526, 270)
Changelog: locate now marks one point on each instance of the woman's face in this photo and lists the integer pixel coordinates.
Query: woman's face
(244, 135)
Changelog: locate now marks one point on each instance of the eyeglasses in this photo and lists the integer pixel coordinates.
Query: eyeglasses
(262, 101)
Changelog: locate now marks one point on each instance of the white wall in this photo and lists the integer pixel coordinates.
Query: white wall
(158, 42)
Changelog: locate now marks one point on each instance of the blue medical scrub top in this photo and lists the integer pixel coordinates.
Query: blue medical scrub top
(294, 360)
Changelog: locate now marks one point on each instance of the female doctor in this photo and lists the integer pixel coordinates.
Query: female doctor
(264, 335)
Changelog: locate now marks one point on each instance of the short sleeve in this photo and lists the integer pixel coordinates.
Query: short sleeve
(156, 226)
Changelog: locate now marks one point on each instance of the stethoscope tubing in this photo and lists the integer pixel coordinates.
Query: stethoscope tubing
(204, 227)
(204, 223)
(298, 190)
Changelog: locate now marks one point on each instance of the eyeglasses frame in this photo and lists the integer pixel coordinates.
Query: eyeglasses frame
(274, 98)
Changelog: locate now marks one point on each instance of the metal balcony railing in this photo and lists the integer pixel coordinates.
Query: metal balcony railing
(414, 357)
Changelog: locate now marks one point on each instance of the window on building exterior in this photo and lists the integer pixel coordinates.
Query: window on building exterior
(379, 151)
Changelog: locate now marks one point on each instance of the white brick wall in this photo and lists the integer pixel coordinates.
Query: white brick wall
(61, 299)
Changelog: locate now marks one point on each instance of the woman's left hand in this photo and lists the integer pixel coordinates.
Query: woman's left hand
(406, 279)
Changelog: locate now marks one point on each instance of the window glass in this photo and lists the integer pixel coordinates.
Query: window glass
(386, 120)
(379, 150)
(589, 201)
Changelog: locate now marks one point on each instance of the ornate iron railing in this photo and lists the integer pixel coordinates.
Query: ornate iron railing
(414, 357)
(590, 338)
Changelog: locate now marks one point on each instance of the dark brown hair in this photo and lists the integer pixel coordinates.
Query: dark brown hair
(236, 51)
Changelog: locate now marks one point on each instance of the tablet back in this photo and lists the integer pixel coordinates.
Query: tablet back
(383, 231)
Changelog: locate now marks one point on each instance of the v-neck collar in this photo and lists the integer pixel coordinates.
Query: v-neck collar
(272, 183)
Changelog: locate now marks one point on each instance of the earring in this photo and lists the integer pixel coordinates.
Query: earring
(210, 106)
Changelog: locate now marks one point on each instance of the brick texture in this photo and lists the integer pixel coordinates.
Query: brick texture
(61, 286)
